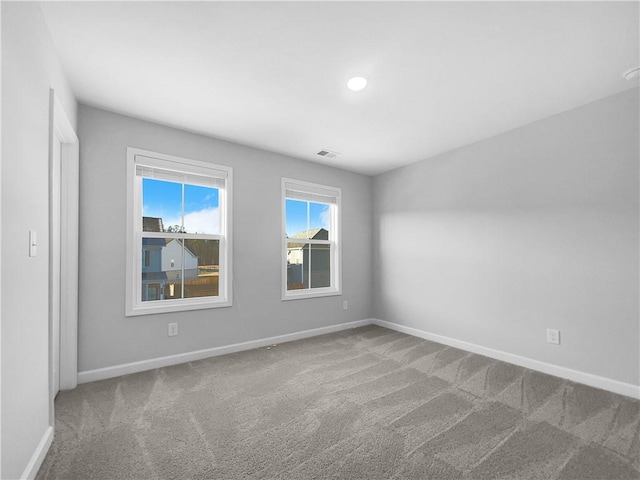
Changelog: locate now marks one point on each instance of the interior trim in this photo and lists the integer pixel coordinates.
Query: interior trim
(596, 381)
(159, 362)
(31, 470)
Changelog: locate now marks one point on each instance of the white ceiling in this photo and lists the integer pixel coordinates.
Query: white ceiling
(273, 75)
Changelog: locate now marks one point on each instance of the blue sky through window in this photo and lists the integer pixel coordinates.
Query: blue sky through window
(296, 216)
(163, 199)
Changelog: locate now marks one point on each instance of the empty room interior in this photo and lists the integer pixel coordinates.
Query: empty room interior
(320, 240)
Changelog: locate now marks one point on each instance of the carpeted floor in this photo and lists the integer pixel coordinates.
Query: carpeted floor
(367, 403)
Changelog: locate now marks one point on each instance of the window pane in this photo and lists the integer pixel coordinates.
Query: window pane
(201, 209)
(297, 266)
(296, 218)
(161, 205)
(320, 266)
(319, 216)
(201, 268)
(161, 269)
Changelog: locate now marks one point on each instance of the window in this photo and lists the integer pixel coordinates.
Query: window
(311, 241)
(179, 235)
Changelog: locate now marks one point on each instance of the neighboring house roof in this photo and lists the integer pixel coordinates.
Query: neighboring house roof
(146, 241)
(162, 242)
(314, 234)
(186, 249)
(152, 224)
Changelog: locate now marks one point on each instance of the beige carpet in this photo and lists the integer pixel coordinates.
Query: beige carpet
(367, 403)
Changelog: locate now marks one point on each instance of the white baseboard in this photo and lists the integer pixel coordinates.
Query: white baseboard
(141, 366)
(31, 470)
(596, 381)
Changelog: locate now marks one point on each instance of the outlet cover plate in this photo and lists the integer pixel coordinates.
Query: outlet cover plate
(173, 329)
(553, 336)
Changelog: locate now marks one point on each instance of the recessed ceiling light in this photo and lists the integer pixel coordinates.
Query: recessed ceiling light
(632, 74)
(355, 84)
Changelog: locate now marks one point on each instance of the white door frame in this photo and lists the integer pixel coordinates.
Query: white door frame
(54, 260)
(61, 129)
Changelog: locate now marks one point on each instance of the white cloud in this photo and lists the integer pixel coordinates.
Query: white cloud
(325, 216)
(206, 220)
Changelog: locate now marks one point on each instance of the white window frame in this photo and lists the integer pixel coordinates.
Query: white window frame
(314, 193)
(134, 304)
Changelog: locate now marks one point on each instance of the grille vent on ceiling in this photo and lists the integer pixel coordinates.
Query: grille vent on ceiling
(328, 153)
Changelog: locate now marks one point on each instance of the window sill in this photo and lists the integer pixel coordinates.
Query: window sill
(289, 295)
(169, 306)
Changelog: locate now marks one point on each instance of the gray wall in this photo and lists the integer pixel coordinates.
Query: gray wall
(29, 68)
(532, 229)
(108, 338)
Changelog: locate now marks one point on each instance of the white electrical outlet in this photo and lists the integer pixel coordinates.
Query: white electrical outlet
(345, 305)
(173, 329)
(553, 336)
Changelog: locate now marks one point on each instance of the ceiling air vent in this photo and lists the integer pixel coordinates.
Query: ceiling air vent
(328, 153)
